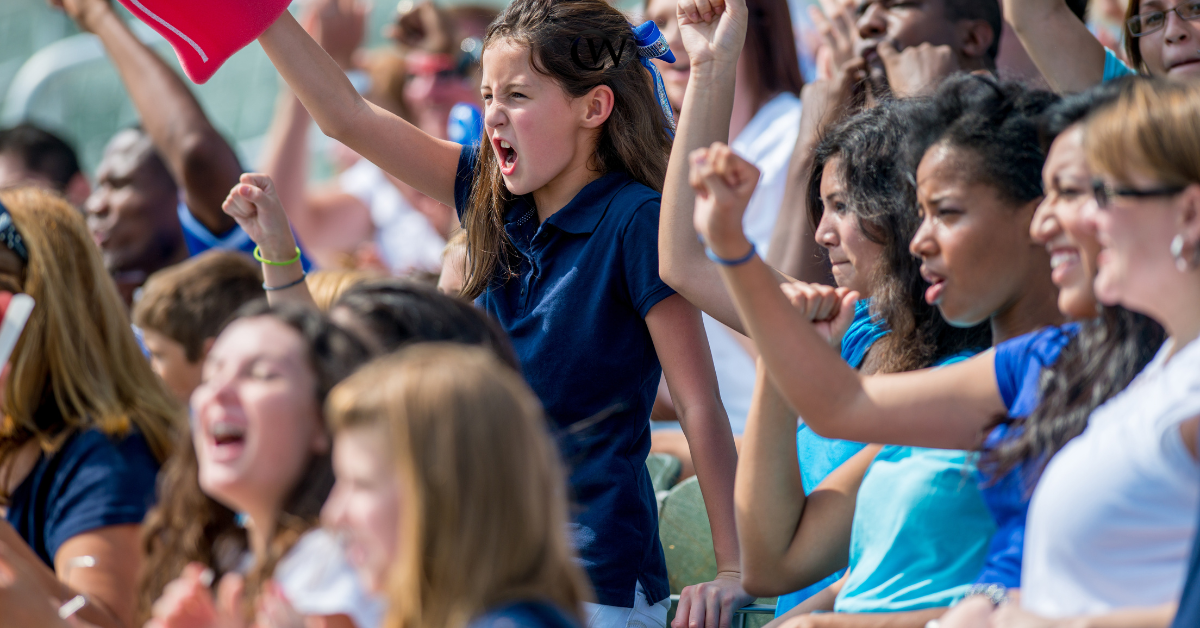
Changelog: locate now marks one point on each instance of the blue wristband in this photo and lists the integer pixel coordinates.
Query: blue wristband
(731, 262)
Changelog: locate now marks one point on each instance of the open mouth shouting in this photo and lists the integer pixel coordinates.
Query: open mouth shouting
(506, 155)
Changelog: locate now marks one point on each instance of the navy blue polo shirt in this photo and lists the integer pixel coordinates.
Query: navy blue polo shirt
(575, 312)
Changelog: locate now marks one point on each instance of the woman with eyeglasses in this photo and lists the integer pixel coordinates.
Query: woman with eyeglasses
(1162, 38)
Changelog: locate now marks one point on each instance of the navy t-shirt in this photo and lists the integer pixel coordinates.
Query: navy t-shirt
(1019, 363)
(525, 615)
(586, 278)
(91, 482)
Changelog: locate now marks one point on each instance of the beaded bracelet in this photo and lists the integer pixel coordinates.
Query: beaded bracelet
(285, 287)
(258, 256)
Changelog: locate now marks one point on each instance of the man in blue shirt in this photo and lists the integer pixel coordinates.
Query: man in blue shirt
(160, 186)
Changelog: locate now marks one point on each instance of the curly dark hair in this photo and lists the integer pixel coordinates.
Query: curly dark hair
(1097, 363)
(882, 196)
(996, 121)
(189, 526)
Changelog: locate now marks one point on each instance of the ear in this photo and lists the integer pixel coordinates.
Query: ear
(596, 106)
(78, 190)
(1189, 215)
(975, 39)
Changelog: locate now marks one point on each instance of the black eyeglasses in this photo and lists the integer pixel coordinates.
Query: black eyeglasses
(1105, 193)
(1146, 23)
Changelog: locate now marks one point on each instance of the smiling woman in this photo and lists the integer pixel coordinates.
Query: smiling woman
(258, 447)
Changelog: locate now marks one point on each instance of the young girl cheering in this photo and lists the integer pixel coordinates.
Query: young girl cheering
(561, 209)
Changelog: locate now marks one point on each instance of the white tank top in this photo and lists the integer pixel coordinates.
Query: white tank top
(1112, 520)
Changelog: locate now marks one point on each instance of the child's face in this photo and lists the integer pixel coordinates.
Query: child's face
(364, 506)
(169, 360)
(255, 417)
(534, 128)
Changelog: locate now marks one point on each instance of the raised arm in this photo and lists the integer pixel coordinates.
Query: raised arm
(788, 541)
(948, 407)
(255, 205)
(1061, 46)
(200, 160)
(409, 154)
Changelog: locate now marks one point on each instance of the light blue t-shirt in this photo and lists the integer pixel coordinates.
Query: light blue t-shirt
(921, 530)
(1114, 67)
(818, 455)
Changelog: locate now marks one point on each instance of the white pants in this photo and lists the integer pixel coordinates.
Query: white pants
(642, 615)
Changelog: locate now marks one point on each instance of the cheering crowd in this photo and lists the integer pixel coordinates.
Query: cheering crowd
(924, 328)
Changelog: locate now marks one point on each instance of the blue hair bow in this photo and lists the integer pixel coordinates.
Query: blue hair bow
(651, 44)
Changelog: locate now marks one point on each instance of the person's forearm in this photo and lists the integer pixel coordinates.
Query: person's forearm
(794, 353)
(768, 494)
(703, 119)
(425, 163)
(285, 158)
(1066, 53)
(201, 161)
(715, 458)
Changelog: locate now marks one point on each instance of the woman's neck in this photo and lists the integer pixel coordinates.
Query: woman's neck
(561, 189)
(258, 531)
(1180, 313)
(1033, 309)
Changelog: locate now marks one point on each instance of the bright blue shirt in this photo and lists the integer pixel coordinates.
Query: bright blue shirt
(199, 239)
(575, 311)
(91, 482)
(1114, 67)
(1019, 363)
(819, 456)
(525, 615)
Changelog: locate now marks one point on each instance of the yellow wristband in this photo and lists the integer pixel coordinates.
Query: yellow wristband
(259, 257)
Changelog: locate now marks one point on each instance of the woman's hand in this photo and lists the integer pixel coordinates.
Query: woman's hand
(713, 32)
(711, 604)
(187, 602)
(830, 309)
(255, 206)
(835, 25)
(724, 184)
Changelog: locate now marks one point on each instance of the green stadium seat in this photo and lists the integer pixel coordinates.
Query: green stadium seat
(686, 538)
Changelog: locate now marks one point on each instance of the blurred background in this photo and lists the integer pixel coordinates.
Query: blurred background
(59, 79)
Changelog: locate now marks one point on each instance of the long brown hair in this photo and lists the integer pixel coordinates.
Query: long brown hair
(774, 64)
(485, 508)
(633, 140)
(189, 526)
(77, 365)
(1133, 46)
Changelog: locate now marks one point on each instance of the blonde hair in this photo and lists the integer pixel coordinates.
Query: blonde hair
(327, 286)
(78, 349)
(485, 515)
(1152, 128)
